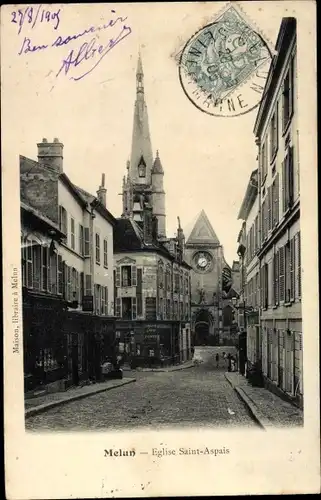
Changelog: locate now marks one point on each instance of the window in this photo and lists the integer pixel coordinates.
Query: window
(274, 134)
(105, 253)
(126, 275)
(81, 239)
(63, 221)
(88, 288)
(270, 206)
(86, 242)
(97, 248)
(276, 272)
(288, 93)
(53, 274)
(287, 265)
(97, 299)
(287, 180)
(292, 269)
(72, 233)
(142, 169)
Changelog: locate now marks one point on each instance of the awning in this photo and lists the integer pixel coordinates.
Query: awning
(33, 238)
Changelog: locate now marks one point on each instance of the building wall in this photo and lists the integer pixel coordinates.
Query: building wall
(280, 267)
(103, 268)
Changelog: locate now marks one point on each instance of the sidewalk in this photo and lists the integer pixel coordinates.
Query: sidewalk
(269, 410)
(183, 366)
(43, 403)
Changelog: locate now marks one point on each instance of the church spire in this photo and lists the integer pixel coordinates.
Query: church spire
(141, 142)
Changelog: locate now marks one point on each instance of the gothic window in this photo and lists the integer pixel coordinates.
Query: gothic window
(142, 168)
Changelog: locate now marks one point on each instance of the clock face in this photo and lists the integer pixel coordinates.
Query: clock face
(203, 261)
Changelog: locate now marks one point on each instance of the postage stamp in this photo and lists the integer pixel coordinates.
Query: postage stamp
(224, 66)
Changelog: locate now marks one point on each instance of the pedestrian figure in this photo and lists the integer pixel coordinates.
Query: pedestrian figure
(229, 368)
(217, 357)
(224, 357)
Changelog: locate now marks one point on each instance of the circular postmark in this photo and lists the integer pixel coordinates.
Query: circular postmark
(223, 68)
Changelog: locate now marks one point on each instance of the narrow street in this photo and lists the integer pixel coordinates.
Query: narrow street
(198, 396)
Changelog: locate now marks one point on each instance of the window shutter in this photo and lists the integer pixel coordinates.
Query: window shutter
(284, 207)
(87, 242)
(106, 300)
(102, 301)
(290, 177)
(292, 269)
(276, 201)
(81, 287)
(134, 308)
(81, 239)
(65, 280)
(60, 275)
(118, 307)
(134, 276)
(299, 262)
(273, 278)
(269, 197)
(118, 271)
(277, 273)
(282, 274)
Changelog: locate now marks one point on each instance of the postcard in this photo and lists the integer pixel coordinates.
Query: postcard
(160, 253)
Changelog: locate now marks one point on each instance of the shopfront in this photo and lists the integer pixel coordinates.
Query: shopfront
(145, 343)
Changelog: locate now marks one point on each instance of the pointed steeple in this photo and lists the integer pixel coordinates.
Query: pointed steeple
(141, 141)
(157, 166)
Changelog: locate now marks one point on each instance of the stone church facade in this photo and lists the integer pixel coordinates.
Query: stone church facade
(211, 286)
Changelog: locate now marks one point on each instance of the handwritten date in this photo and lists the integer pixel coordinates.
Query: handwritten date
(34, 15)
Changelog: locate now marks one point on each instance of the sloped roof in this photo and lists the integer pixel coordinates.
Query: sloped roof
(202, 231)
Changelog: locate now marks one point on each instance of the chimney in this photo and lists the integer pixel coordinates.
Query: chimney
(101, 193)
(50, 153)
(148, 223)
(180, 239)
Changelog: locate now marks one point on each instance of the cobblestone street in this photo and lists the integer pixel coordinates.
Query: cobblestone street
(199, 396)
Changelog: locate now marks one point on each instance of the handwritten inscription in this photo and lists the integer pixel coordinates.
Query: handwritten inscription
(34, 15)
(82, 60)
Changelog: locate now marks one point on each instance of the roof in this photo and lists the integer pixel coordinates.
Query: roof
(128, 237)
(286, 33)
(99, 207)
(45, 221)
(201, 232)
(157, 166)
(72, 189)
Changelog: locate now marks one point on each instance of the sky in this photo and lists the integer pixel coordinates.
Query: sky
(207, 160)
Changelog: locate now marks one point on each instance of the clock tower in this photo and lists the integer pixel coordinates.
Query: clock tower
(204, 252)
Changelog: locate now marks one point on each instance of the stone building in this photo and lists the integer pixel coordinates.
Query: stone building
(248, 245)
(152, 280)
(211, 280)
(78, 273)
(277, 135)
(270, 236)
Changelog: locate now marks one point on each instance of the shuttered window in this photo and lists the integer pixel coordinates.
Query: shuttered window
(81, 287)
(276, 277)
(86, 242)
(270, 204)
(134, 276)
(287, 264)
(118, 276)
(263, 161)
(288, 96)
(274, 134)
(53, 285)
(36, 258)
(63, 221)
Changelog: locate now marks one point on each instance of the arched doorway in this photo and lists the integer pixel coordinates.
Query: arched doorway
(203, 322)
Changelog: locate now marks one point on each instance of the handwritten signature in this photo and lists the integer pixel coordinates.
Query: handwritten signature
(91, 50)
(33, 16)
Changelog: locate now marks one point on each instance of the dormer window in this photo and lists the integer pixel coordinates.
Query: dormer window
(142, 168)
